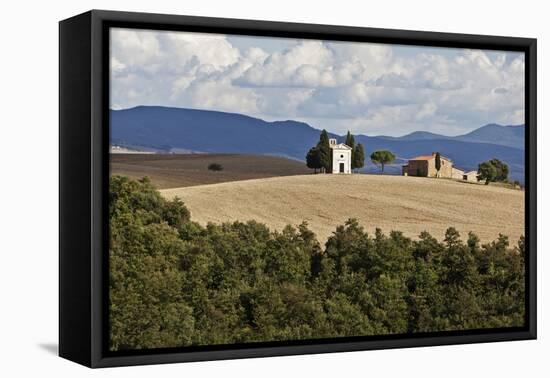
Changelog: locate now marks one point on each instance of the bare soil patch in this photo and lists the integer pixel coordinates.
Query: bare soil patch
(172, 171)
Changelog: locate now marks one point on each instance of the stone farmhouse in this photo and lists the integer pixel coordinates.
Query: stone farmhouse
(470, 176)
(424, 166)
(341, 157)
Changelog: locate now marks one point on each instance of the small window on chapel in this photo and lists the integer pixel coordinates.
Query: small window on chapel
(341, 156)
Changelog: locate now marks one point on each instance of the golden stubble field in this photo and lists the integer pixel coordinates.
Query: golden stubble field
(407, 204)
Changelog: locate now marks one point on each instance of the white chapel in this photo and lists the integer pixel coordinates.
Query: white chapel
(341, 157)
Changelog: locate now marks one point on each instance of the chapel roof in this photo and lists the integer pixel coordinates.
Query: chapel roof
(340, 146)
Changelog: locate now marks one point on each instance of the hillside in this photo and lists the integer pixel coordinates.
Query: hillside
(209, 131)
(191, 130)
(408, 204)
(172, 170)
(512, 136)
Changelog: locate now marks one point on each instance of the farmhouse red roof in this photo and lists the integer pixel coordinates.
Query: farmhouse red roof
(428, 157)
(424, 157)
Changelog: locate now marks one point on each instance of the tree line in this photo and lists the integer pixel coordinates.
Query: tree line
(319, 157)
(173, 282)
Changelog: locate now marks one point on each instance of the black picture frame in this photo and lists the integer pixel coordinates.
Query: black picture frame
(84, 171)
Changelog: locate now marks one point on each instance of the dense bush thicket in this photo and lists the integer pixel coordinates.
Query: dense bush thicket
(176, 283)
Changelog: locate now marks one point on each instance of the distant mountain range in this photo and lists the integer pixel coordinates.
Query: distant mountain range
(511, 136)
(165, 129)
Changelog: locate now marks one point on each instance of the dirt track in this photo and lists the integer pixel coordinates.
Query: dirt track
(408, 204)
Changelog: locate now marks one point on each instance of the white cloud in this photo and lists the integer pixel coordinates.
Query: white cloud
(426, 110)
(154, 68)
(303, 65)
(367, 88)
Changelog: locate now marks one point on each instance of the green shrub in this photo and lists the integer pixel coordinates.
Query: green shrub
(493, 170)
(215, 167)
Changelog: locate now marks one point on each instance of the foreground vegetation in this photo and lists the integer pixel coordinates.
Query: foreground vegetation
(176, 283)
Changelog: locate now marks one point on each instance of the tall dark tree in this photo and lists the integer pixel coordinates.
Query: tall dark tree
(350, 141)
(325, 157)
(358, 157)
(313, 159)
(382, 157)
(437, 162)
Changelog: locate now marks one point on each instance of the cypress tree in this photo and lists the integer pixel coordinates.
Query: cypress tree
(358, 157)
(437, 162)
(325, 157)
(350, 141)
(312, 159)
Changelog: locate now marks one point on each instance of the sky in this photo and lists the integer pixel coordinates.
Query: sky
(366, 88)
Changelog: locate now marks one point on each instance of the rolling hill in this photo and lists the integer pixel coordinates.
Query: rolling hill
(511, 136)
(407, 204)
(209, 131)
(190, 130)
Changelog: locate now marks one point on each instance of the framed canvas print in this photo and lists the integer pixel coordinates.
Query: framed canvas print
(234, 188)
